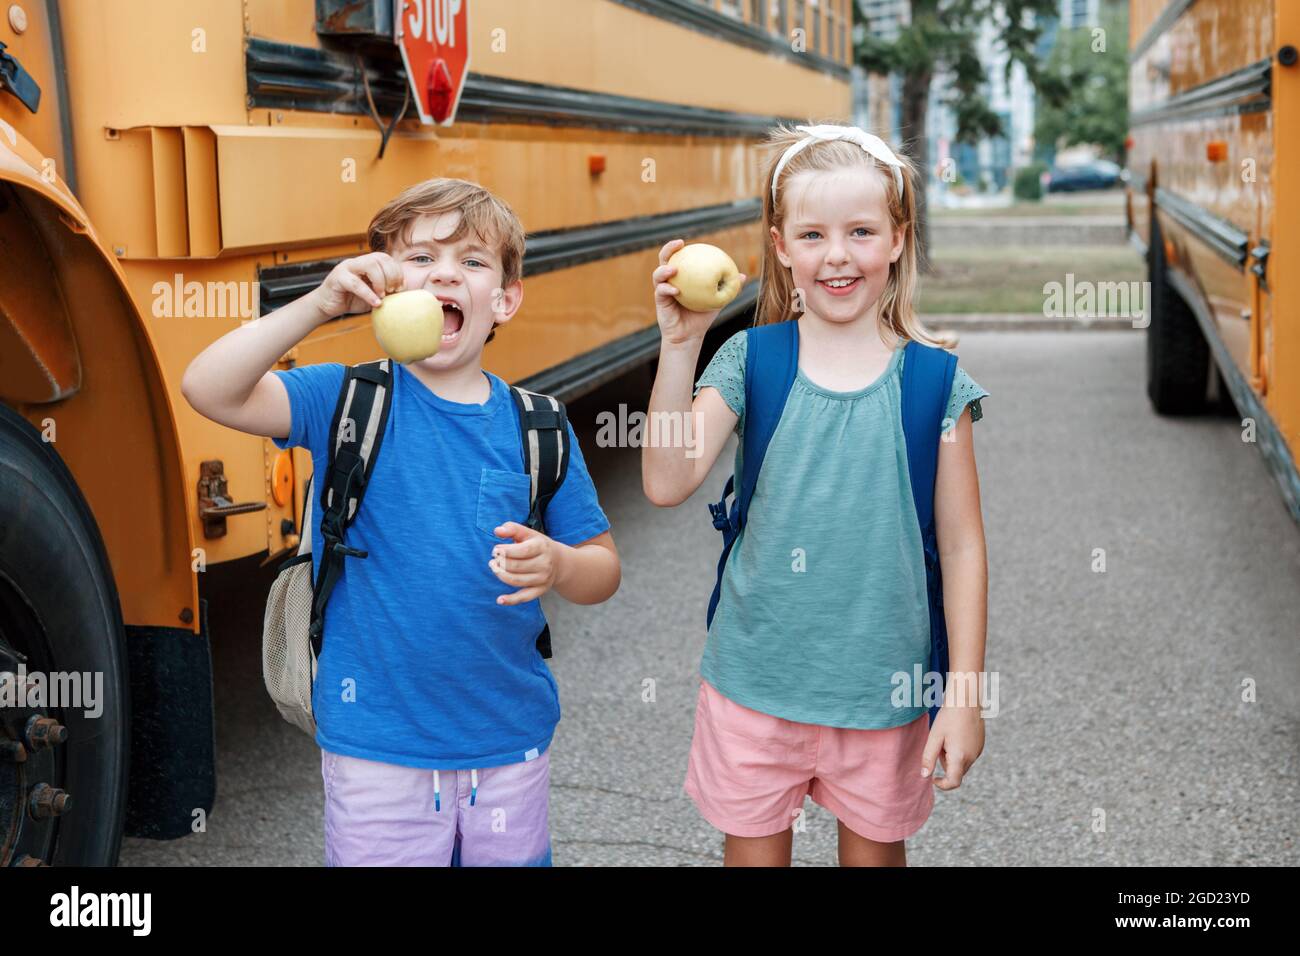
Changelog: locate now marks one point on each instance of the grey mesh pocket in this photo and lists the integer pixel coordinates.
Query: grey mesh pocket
(288, 663)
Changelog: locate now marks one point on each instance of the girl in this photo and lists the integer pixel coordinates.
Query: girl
(823, 605)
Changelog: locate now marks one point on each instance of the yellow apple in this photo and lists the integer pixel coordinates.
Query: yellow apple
(706, 278)
(408, 325)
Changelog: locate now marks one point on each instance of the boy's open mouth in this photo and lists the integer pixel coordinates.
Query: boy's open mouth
(452, 320)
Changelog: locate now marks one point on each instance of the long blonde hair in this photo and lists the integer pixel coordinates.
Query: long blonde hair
(776, 297)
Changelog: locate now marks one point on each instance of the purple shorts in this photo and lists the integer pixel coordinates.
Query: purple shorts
(383, 814)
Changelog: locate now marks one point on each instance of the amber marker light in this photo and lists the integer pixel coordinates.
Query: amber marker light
(282, 478)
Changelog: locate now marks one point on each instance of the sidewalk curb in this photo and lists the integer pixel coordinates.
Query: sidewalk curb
(1026, 322)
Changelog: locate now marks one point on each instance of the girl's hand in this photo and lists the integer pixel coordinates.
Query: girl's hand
(958, 733)
(358, 284)
(677, 325)
(529, 564)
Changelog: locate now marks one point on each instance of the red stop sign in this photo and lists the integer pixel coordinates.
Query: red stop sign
(433, 36)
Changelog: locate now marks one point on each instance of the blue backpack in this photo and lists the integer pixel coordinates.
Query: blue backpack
(771, 360)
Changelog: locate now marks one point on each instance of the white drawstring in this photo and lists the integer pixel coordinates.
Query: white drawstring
(437, 790)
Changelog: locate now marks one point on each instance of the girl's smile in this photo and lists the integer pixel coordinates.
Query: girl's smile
(840, 286)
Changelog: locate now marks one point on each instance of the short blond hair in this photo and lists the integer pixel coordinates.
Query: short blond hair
(491, 218)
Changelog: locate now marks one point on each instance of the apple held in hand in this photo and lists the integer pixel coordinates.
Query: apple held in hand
(408, 325)
(706, 278)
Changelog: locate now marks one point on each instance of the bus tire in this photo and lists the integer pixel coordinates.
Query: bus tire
(1178, 357)
(59, 608)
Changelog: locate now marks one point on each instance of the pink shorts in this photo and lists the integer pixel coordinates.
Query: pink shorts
(748, 772)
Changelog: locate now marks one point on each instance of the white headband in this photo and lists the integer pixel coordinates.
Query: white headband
(870, 142)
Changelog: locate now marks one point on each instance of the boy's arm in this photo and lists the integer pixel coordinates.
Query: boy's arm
(231, 381)
(590, 572)
(585, 573)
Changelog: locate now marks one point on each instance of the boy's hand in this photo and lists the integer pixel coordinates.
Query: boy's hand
(358, 284)
(676, 324)
(530, 563)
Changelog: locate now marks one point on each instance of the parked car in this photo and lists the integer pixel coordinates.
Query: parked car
(1094, 174)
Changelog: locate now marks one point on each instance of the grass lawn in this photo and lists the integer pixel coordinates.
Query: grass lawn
(1011, 278)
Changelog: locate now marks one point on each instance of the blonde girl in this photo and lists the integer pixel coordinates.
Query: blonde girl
(823, 613)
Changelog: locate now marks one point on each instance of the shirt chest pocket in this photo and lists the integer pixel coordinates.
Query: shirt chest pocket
(502, 496)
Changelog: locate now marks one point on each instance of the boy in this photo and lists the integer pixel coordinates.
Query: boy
(434, 707)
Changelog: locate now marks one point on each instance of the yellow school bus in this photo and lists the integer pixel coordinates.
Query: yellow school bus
(1214, 95)
(169, 170)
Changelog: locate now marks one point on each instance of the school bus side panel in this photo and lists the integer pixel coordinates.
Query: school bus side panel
(111, 422)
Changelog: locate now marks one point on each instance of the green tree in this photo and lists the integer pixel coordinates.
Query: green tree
(942, 38)
(1087, 75)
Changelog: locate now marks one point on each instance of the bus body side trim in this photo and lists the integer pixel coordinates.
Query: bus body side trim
(592, 369)
(284, 76)
(1168, 17)
(1219, 234)
(1270, 439)
(546, 251)
(1226, 95)
(696, 16)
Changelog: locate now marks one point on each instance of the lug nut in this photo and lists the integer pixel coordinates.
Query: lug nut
(44, 732)
(13, 751)
(46, 801)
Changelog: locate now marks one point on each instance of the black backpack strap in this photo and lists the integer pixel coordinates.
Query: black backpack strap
(360, 417)
(544, 434)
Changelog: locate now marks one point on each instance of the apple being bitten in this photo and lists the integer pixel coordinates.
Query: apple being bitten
(408, 325)
(706, 278)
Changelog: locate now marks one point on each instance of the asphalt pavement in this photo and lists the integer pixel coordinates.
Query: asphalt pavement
(1124, 736)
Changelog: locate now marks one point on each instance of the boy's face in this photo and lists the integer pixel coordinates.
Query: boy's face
(837, 226)
(466, 276)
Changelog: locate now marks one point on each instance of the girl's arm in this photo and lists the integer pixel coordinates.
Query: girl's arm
(959, 529)
(671, 473)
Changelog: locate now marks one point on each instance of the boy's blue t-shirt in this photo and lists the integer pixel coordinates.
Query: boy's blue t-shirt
(420, 666)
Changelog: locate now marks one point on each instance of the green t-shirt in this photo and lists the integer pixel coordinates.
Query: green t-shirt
(823, 596)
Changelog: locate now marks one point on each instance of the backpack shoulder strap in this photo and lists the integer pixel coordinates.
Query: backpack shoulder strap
(360, 415)
(544, 434)
(357, 431)
(771, 362)
(927, 381)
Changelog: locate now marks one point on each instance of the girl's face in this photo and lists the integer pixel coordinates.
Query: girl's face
(837, 227)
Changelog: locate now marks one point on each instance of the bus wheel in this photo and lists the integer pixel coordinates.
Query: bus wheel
(64, 720)
(1178, 357)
